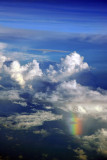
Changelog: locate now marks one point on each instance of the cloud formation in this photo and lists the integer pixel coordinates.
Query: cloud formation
(42, 132)
(71, 96)
(97, 142)
(72, 63)
(50, 50)
(80, 154)
(25, 121)
(10, 95)
(24, 73)
(53, 87)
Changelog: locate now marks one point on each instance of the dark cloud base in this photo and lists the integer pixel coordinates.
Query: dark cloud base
(27, 145)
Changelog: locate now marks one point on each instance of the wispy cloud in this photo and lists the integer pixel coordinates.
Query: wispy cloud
(50, 50)
(7, 33)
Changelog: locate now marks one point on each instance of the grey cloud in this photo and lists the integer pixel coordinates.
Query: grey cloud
(80, 154)
(10, 95)
(42, 132)
(25, 121)
(97, 141)
(50, 50)
(24, 104)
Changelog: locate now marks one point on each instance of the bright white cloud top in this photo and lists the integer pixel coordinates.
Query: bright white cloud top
(72, 63)
(67, 94)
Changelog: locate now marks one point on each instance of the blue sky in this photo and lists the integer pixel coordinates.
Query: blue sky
(58, 25)
(65, 16)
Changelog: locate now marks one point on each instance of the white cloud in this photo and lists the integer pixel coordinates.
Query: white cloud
(25, 121)
(20, 73)
(24, 104)
(33, 70)
(71, 96)
(48, 107)
(25, 56)
(23, 73)
(69, 65)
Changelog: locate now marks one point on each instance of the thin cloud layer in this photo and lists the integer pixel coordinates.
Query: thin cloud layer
(3, 46)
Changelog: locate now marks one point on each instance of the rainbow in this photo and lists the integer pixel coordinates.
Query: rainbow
(75, 125)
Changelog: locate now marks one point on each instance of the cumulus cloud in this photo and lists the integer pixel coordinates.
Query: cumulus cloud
(71, 96)
(97, 142)
(69, 65)
(66, 94)
(42, 132)
(25, 121)
(24, 73)
(80, 154)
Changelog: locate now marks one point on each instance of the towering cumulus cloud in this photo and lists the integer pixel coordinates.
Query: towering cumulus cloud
(72, 63)
(22, 74)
